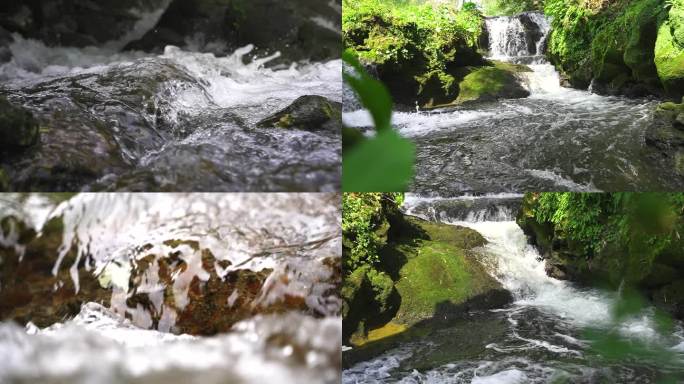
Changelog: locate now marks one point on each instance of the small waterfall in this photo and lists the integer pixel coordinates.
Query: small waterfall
(519, 39)
(522, 39)
(518, 265)
(497, 208)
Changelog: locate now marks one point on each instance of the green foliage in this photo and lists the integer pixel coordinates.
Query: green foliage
(362, 219)
(643, 223)
(384, 162)
(510, 7)
(573, 26)
(382, 286)
(422, 38)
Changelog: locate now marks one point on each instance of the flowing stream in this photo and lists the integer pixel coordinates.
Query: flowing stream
(181, 121)
(539, 338)
(556, 139)
(132, 288)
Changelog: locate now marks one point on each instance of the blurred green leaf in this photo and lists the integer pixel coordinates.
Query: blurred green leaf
(381, 164)
(372, 93)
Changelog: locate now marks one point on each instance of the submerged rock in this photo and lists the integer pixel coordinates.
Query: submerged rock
(18, 128)
(311, 113)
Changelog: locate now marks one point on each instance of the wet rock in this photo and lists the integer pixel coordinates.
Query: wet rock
(671, 298)
(499, 81)
(187, 290)
(26, 276)
(311, 113)
(667, 133)
(97, 124)
(174, 287)
(300, 29)
(18, 128)
(426, 275)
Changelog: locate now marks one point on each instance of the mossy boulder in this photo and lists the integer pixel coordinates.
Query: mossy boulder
(18, 128)
(369, 300)
(499, 81)
(428, 274)
(619, 48)
(311, 113)
(669, 56)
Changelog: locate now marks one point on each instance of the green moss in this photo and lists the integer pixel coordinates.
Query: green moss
(285, 121)
(612, 42)
(613, 236)
(489, 83)
(510, 7)
(416, 47)
(437, 274)
(669, 60)
(382, 286)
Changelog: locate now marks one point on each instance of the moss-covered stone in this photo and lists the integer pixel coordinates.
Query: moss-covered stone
(613, 44)
(433, 277)
(488, 83)
(669, 59)
(311, 113)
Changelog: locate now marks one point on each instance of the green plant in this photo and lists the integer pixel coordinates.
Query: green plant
(643, 224)
(385, 161)
(510, 7)
(362, 219)
(420, 40)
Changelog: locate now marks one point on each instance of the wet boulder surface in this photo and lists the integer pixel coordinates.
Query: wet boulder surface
(169, 123)
(119, 107)
(200, 275)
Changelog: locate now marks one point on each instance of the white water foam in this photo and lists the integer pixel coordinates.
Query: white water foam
(99, 347)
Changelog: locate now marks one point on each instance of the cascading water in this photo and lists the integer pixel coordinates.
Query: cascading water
(555, 139)
(538, 339)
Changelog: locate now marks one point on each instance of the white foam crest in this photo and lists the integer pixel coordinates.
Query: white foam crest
(32, 59)
(412, 124)
(561, 181)
(510, 376)
(230, 82)
(543, 81)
